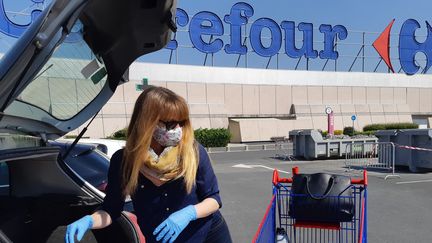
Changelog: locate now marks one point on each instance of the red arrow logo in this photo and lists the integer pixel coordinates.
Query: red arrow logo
(382, 45)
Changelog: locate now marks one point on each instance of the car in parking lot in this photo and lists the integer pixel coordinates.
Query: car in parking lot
(55, 78)
(107, 146)
(86, 160)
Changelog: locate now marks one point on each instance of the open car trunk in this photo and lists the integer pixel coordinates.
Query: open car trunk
(45, 196)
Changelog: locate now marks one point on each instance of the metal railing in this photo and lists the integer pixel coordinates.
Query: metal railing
(283, 148)
(380, 155)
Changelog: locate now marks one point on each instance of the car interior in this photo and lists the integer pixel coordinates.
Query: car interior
(42, 201)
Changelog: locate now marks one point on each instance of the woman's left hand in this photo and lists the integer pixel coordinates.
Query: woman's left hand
(171, 228)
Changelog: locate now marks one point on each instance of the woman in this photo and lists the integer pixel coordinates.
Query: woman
(168, 175)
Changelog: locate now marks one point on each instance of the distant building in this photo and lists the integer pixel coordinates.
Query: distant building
(257, 104)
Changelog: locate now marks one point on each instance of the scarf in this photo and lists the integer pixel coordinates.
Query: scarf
(163, 168)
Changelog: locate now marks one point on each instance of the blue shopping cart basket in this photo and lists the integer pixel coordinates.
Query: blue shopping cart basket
(277, 217)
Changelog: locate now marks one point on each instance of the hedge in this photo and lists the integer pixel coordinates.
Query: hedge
(215, 137)
(119, 135)
(324, 134)
(367, 133)
(337, 132)
(348, 131)
(390, 126)
(219, 137)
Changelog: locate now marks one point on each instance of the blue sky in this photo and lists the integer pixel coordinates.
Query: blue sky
(365, 15)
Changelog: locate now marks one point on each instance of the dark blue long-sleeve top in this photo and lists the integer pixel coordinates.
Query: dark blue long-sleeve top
(154, 204)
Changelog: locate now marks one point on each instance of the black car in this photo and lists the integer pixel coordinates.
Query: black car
(52, 81)
(87, 160)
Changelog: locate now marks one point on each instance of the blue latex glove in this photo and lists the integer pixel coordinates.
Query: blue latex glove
(170, 229)
(78, 228)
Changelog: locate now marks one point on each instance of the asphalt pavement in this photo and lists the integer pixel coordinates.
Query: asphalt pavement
(399, 209)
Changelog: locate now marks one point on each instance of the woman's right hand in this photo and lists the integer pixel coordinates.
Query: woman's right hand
(78, 228)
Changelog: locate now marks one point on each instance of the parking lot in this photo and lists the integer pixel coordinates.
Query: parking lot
(399, 209)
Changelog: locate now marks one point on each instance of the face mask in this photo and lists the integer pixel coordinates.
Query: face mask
(166, 137)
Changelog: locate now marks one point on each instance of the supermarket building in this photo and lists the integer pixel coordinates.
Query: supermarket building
(257, 104)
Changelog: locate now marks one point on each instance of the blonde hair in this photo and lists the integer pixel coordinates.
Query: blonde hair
(155, 104)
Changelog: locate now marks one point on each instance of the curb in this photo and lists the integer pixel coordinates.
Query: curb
(244, 148)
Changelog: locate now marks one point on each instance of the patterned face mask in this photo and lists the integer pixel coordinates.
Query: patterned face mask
(166, 137)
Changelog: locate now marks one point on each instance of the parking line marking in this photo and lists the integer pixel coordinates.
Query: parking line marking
(412, 182)
(256, 166)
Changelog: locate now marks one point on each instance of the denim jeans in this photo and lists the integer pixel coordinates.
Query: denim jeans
(219, 232)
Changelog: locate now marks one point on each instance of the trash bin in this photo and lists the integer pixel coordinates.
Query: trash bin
(415, 158)
(309, 144)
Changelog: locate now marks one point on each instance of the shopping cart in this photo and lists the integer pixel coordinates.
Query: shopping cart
(279, 225)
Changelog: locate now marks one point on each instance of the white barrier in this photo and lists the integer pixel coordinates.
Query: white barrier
(371, 155)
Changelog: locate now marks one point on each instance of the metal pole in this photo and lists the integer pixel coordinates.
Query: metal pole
(246, 37)
(363, 53)
(170, 57)
(277, 61)
(246, 59)
(393, 152)
(393, 158)
(335, 50)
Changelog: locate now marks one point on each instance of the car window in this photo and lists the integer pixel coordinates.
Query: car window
(91, 164)
(68, 82)
(4, 179)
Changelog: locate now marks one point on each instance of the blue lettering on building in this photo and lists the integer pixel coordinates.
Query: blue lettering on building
(182, 19)
(8, 27)
(330, 34)
(307, 49)
(239, 15)
(206, 24)
(275, 40)
(409, 47)
(205, 29)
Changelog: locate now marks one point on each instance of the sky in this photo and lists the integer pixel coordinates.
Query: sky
(362, 16)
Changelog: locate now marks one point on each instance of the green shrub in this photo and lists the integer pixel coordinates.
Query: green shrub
(338, 132)
(70, 136)
(215, 137)
(406, 125)
(324, 134)
(119, 135)
(348, 131)
(367, 133)
(389, 126)
(374, 127)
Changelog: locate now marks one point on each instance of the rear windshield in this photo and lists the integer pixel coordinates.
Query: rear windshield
(69, 81)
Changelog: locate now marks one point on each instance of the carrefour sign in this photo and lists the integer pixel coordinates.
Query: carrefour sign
(209, 24)
(206, 29)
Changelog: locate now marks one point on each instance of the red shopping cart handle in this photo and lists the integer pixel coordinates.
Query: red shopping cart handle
(363, 181)
(295, 170)
(317, 225)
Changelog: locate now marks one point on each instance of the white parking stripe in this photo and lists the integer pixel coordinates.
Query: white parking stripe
(256, 166)
(412, 182)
